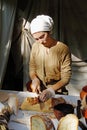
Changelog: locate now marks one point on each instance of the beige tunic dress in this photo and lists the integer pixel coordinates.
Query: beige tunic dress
(51, 64)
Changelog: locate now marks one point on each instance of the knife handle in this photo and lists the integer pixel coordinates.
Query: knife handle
(78, 109)
(82, 125)
(85, 120)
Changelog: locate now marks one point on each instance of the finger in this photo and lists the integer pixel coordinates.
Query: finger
(33, 90)
(36, 90)
(39, 91)
(42, 97)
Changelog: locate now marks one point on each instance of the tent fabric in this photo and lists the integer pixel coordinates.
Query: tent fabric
(74, 26)
(7, 15)
(70, 27)
(79, 76)
(73, 31)
(20, 53)
(20, 49)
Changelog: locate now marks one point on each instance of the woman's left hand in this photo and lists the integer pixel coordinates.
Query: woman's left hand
(46, 94)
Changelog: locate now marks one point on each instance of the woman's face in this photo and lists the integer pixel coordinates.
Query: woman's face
(42, 37)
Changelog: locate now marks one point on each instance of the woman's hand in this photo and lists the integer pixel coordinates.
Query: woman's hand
(35, 85)
(46, 94)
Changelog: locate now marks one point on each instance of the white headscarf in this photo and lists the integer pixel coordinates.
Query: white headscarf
(41, 23)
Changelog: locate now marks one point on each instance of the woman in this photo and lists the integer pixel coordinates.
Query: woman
(50, 60)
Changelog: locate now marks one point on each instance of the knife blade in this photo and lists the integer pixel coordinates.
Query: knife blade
(42, 104)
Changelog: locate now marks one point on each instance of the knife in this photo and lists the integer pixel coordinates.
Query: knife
(78, 108)
(42, 104)
(86, 111)
(36, 100)
(82, 126)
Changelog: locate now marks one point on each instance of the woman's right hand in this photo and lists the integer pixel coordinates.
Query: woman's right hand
(35, 86)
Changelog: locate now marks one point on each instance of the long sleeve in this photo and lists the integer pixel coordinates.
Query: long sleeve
(57, 63)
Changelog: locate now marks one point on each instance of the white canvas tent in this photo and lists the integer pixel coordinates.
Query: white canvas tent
(70, 18)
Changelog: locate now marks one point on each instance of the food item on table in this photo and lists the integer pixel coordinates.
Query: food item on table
(56, 101)
(13, 103)
(84, 102)
(2, 106)
(33, 103)
(83, 92)
(4, 118)
(63, 109)
(3, 127)
(41, 122)
(68, 122)
(32, 100)
(3, 96)
(27, 105)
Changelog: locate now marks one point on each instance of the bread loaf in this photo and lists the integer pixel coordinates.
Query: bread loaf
(13, 103)
(69, 122)
(41, 122)
(32, 103)
(28, 105)
(4, 118)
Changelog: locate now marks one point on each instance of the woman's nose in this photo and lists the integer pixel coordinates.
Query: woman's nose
(40, 41)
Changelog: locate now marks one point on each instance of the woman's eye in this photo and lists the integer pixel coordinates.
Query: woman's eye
(36, 39)
(41, 36)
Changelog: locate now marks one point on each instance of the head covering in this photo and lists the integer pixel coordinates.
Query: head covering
(41, 23)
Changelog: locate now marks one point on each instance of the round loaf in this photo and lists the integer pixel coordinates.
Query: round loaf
(41, 122)
(68, 122)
